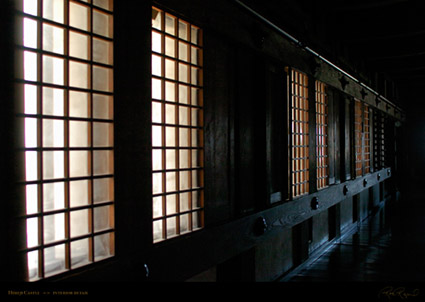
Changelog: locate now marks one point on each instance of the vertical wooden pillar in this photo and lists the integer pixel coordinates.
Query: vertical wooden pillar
(277, 149)
(12, 228)
(132, 114)
(250, 151)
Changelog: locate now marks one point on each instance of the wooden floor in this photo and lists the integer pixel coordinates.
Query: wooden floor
(389, 247)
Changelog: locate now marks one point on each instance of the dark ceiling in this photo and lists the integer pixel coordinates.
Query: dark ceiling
(389, 36)
(382, 39)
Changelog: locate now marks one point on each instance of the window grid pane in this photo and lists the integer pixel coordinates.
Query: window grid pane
(322, 136)
(366, 129)
(383, 139)
(379, 140)
(358, 137)
(177, 126)
(300, 134)
(68, 142)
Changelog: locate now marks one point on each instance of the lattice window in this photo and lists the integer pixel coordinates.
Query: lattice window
(177, 126)
(362, 138)
(322, 156)
(366, 138)
(67, 99)
(300, 133)
(358, 130)
(376, 135)
(383, 140)
(387, 150)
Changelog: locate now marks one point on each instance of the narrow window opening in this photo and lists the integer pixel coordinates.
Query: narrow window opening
(322, 154)
(358, 137)
(299, 133)
(177, 126)
(67, 98)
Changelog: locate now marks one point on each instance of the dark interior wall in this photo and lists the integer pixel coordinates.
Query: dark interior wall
(414, 146)
(274, 257)
(364, 204)
(346, 213)
(319, 230)
(374, 196)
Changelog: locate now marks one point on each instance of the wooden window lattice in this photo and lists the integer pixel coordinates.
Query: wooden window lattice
(322, 156)
(358, 138)
(366, 139)
(66, 91)
(362, 139)
(299, 134)
(177, 126)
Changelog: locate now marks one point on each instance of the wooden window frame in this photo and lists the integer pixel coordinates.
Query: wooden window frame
(40, 148)
(362, 139)
(299, 120)
(367, 139)
(379, 129)
(322, 136)
(194, 126)
(358, 138)
(278, 188)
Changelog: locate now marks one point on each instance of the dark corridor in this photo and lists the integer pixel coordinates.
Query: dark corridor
(387, 247)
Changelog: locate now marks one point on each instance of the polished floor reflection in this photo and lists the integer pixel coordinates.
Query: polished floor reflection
(389, 247)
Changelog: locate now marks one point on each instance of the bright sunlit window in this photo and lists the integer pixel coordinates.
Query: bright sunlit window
(177, 126)
(358, 137)
(67, 113)
(299, 133)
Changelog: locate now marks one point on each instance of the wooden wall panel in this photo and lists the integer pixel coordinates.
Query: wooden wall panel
(219, 133)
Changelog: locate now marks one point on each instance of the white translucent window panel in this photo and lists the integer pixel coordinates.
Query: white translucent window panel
(30, 34)
(102, 51)
(79, 45)
(68, 132)
(53, 10)
(103, 190)
(79, 193)
(53, 70)
(53, 196)
(53, 39)
(79, 16)
(102, 106)
(176, 124)
(79, 104)
(53, 101)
